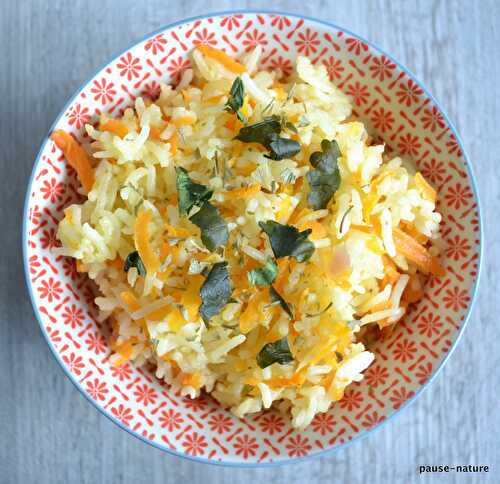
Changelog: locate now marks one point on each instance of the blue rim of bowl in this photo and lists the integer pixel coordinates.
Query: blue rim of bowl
(283, 461)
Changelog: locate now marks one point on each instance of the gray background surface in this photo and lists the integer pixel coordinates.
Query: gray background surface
(50, 434)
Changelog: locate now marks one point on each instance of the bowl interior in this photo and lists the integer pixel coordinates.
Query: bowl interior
(396, 109)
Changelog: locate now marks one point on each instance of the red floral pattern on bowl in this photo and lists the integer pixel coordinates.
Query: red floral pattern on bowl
(397, 110)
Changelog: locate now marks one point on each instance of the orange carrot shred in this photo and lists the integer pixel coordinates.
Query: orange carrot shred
(222, 58)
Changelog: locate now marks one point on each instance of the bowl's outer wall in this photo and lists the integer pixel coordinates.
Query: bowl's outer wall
(398, 111)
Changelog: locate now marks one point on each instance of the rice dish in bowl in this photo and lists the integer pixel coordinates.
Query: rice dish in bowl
(249, 238)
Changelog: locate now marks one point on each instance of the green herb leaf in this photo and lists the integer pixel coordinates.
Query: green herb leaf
(190, 194)
(282, 148)
(235, 101)
(291, 127)
(264, 276)
(262, 132)
(276, 352)
(134, 260)
(214, 231)
(324, 180)
(276, 297)
(215, 292)
(286, 240)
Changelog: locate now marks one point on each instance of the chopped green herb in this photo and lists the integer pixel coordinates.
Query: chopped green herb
(277, 298)
(134, 260)
(215, 292)
(339, 356)
(235, 101)
(214, 231)
(282, 148)
(291, 127)
(276, 352)
(324, 180)
(190, 194)
(264, 276)
(286, 240)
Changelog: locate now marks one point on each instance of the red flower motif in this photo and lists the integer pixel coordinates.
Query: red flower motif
(372, 419)
(220, 423)
(152, 90)
(424, 372)
(97, 390)
(122, 372)
(376, 375)
(74, 363)
(433, 170)
(432, 118)
(453, 146)
(409, 92)
(280, 22)
(405, 350)
(382, 68)
(78, 116)
(171, 420)
(195, 404)
(358, 92)
(457, 247)
(282, 64)
(356, 45)
(429, 324)
(271, 423)
(456, 299)
(334, 67)
(156, 44)
(195, 444)
(34, 264)
(298, 446)
(145, 395)
(204, 38)
(231, 21)
(49, 239)
(52, 190)
(73, 316)
(122, 413)
(409, 145)
(308, 42)
(69, 268)
(129, 66)
(103, 91)
(458, 195)
(382, 119)
(351, 399)
(246, 446)
(323, 423)
(50, 289)
(54, 335)
(96, 343)
(254, 39)
(177, 67)
(400, 396)
(35, 215)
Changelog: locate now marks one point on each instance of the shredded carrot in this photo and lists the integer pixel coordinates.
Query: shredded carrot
(214, 99)
(413, 291)
(367, 229)
(141, 236)
(186, 96)
(381, 306)
(251, 316)
(408, 247)
(191, 380)
(114, 126)
(318, 230)
(176, 231)
(391, 274)
(242, 192)
(76, 156)
(425, 189)
(117, 263)
(412, 231)
(125, 352)
(190, 298)
(222, 58)
(173, 144)
(130, 300)
(233, 124)
(154, 133)
(80, 266)
(175, 319)
(296, 380)
(183, 121)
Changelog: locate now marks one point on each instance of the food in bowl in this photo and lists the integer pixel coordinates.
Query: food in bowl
(247, 235)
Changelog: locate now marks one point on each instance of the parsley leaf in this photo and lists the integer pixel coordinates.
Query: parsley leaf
(215, 292)
(235, 101)
(134, 260)
(214, 231)
(190, 194)
(276, 297)
(264, 276)
(266, 133)
(286, 240)
(276, 352)
(324, 180)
